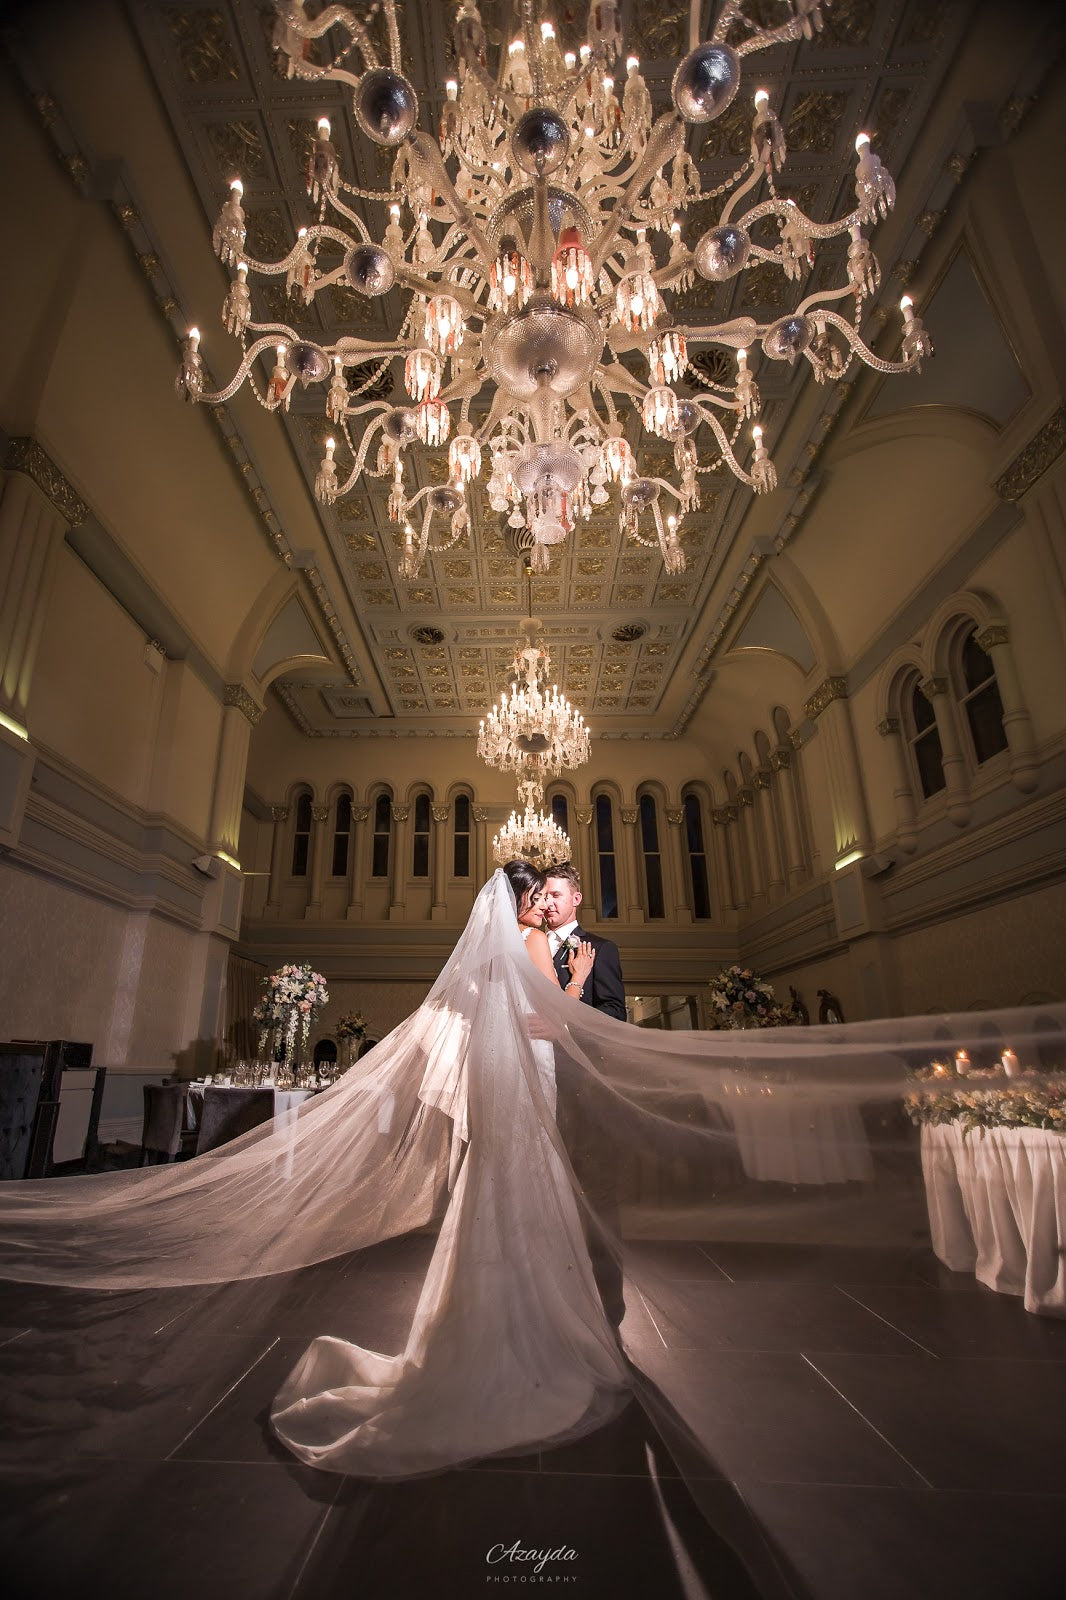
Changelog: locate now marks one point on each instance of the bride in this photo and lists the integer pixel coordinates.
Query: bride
(509, 1342)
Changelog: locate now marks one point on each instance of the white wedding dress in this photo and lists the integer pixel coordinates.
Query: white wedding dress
(509, 1341)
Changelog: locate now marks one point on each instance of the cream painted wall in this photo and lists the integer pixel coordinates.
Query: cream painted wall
(183, 769)
(1000, 955)
(87, 969)
(93, 700)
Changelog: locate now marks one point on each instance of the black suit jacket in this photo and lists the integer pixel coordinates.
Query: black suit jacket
(603, 986)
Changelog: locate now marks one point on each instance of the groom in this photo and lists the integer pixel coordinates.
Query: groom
(591, 1152)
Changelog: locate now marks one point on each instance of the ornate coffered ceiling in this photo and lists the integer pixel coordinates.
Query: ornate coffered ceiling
(878, 64)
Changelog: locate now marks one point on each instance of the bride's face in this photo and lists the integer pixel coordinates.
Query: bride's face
(531, 911)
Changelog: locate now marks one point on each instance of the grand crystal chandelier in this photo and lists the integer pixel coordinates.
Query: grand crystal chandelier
(531, 836)
(538, 241)
(534, 731)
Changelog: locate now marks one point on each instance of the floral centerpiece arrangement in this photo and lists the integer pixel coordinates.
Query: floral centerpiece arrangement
(984, 1097)
(292, 996)
(351, 1031)
(741, 999)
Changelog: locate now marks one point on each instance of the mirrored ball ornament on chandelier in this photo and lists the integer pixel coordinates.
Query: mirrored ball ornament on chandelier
(537, 244)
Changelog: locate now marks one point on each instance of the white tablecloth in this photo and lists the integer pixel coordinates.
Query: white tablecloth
(788, 1136)
(285, 1101)
(997, 1208)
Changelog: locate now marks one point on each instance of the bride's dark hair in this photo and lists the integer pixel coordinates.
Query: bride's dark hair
(524, 879)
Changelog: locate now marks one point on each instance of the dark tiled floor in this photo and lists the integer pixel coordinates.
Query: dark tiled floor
(857, 1425)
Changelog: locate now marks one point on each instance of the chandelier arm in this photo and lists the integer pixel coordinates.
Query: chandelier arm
(410, 279)
(740, 334)
(395, 57)
(612, 412)
(622, 381)
(322, 230)
(823, 294)
(765, 37)
(863, 351)
(425, 154)
(219, 397)
(295, 18)
(745, 188)
(664, 141)
(784, 208)
(355, 352)
(727, 450)
(709, 398)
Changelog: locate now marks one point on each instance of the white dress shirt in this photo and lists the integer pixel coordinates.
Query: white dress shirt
(556, 936)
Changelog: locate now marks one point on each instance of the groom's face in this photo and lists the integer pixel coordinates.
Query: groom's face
(560, 902)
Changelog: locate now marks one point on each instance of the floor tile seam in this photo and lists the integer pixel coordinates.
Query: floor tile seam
(872, 1426)
(761, 1350)
(888, 1324)
(763, 1535)
(651, 1318)
(312, 1542)
(941, 1492)
(14, 1337)
(225, 1396)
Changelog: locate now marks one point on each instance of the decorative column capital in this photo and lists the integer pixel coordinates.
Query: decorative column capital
(888, 726)
(440, 813)
(933, 686)
(995, 633)
(781, 758)
(360, 813)
(629, 815)
(832, 689)
(481, 813)
(279, 813)
(675, 818)
(237, 695)
(26, 456)
(1046, 445)
(583, 815)
(760, 778)
(320, 813)
(722, 816)
(745, 797)
(400, 813)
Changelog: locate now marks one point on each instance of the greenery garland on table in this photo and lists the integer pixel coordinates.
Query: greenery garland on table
(1038, 1101)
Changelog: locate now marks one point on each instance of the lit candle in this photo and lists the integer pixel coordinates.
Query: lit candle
(962, 1063)
(1011, 1065)
(939, 1069)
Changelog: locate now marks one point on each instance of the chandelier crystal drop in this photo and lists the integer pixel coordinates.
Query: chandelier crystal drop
(533, 837)
(536, 237)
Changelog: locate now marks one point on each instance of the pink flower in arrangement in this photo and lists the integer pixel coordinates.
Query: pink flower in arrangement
(305, 1005)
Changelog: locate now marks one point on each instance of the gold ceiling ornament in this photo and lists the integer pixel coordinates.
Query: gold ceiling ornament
(537, 238)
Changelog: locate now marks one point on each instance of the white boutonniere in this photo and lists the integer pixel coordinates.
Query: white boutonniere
(571, 942)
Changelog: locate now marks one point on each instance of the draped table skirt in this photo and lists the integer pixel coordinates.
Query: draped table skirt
(997, 1208)
(790, 1137)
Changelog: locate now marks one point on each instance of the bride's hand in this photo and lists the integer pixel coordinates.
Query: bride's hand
(581, 961)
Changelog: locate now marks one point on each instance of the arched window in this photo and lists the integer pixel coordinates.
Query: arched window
(924, 739)
(301, 836)
(461, 837)
(420, 839)
(605, 857)
(979, 696)
(342, 835)
(653, 864)
(697, 858)
(382, 834)
(561, 812)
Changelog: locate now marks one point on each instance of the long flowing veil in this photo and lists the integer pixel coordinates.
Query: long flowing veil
(448, 1127)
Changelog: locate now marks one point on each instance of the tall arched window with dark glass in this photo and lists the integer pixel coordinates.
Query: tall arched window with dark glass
(605, 856)
(382, 835)
(301, 836)
(342, 835)
(924, 739)
(980, 699)
(461, 837)
(561, 813)
(653, 862)
(697, 858)
(420, 838)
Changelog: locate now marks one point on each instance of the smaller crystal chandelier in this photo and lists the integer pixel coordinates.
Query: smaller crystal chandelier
(534, 730)
(533, 836)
